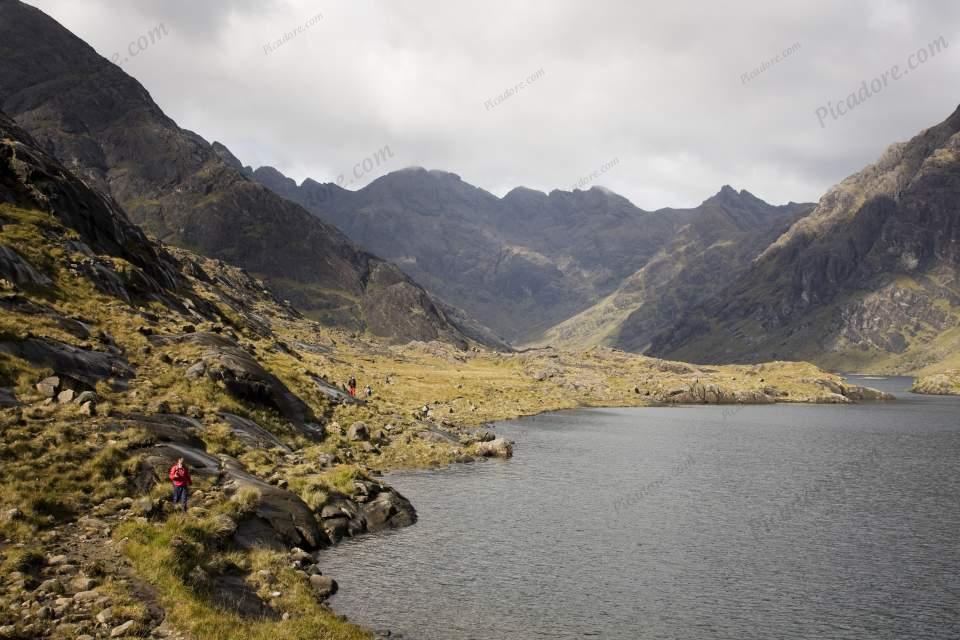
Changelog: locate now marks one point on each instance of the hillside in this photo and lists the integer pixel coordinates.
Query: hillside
(118, 356)
(725, 233)
(868, 281)
(103, 124)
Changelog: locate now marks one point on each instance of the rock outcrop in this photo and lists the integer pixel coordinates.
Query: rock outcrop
(497, 448)
(943, 384)
(372, 507)
(244, 378)
(80, 366)
(279, 518)
(700, 393)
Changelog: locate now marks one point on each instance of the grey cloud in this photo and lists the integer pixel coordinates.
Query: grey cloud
(656, 85)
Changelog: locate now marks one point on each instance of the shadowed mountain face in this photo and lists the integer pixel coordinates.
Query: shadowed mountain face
(103, 125)
(528, 261)
(869, 280)
(31, 180)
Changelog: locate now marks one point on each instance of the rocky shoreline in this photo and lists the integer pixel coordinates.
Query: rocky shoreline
(62, 592)
(946, 383)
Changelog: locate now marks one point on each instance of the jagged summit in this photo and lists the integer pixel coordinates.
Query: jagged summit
(730, 196)
(524, 194)
(528, 260)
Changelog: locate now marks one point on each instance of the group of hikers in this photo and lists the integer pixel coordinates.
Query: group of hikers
(352, 388)
(180, 475)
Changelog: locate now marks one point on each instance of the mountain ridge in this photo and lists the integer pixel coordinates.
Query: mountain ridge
(521, 263)
(103, 124)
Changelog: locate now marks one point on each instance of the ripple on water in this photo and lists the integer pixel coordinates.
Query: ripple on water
(696, 522)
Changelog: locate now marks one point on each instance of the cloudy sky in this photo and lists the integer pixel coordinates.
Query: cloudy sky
(658, 87)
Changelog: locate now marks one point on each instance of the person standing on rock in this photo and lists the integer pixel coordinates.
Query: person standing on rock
(352, 386)
(180, 477)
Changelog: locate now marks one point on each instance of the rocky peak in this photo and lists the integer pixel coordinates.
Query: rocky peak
(275, 181)
(227, 156)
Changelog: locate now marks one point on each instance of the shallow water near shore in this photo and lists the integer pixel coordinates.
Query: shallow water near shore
(785, 521)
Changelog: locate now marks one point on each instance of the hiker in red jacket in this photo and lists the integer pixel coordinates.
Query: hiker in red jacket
(180, 477)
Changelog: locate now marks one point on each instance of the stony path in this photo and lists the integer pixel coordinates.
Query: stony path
(66, 598)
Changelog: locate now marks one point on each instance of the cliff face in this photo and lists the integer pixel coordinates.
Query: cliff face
(868, 280)
(31, 179)
(103, 125)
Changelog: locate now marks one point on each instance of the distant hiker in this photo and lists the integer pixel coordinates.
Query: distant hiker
(368, 391)
(352, 387)
(180, 477)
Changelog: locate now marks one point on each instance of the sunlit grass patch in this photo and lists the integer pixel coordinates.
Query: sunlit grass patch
(166, 554)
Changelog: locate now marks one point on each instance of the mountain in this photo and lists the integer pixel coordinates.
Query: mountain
(723, 236)
(870, 280)
(530, 260)
(444, 232)
(117, 357)
(104, 126)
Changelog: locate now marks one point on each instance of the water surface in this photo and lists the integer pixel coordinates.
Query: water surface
(695, 522)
